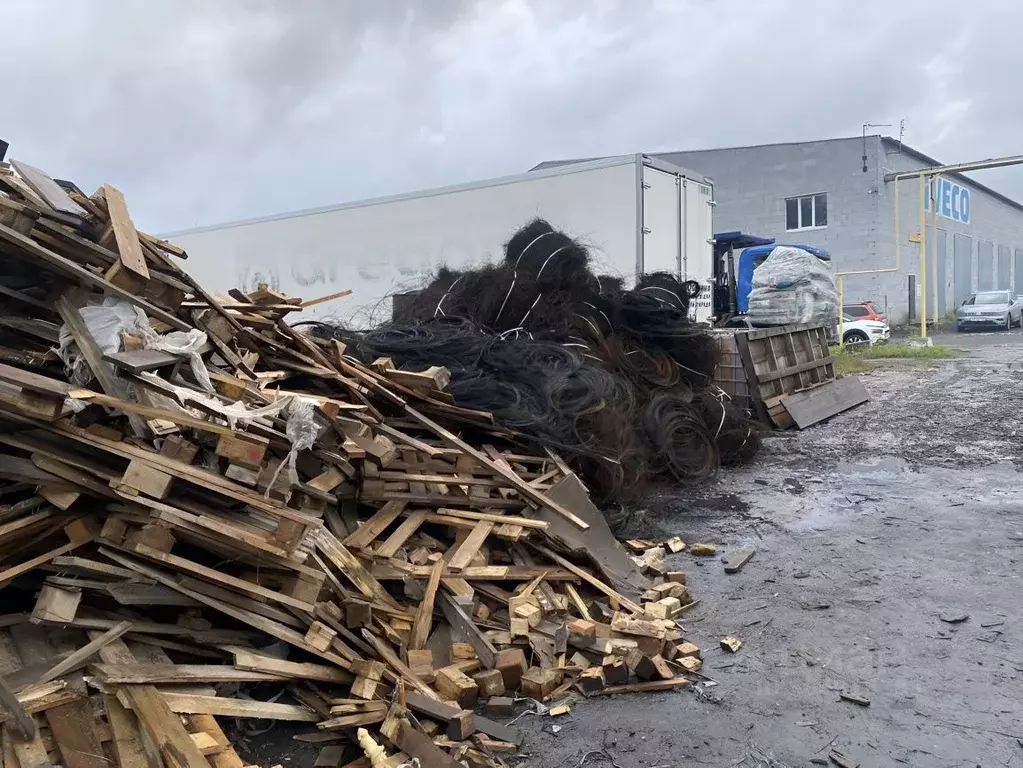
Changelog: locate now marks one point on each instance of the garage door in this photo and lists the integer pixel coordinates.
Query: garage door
(985, 266)
(963, 267)
(1004, 257)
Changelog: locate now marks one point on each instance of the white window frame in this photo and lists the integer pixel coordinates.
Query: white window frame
(799, 211)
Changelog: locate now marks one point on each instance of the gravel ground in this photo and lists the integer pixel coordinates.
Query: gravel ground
(872, 531)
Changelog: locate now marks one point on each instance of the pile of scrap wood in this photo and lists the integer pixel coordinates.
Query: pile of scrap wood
(206, 513)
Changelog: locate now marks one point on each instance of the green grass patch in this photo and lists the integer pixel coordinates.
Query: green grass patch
(857, 359)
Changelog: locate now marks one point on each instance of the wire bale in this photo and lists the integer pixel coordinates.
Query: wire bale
(617, 380)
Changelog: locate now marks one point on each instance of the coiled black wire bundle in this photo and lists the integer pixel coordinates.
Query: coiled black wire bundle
(617, 380)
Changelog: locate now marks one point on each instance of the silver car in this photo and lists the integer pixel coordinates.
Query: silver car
(986, 308)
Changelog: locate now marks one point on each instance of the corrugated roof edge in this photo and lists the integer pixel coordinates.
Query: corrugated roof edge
(930, 161)
(888, 140)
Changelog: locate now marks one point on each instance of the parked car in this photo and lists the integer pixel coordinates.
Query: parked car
(856, 331)
(990, 308)
(864, 310)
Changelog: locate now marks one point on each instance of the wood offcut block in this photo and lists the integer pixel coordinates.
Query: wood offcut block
(454, 685)
(640, 664)
(688, 649)
(158, 537)
(358, 613)
(421, 664)
(592, 680)
(56, 604)
(178, 448)
(462, 652)
(501, 706)
(616, 672)
(679, 577)
(582, 628)
(244, 449)
(149, 481)
(490, 682)
(320, 636)
(665, 608)
(462, 725)
(539, 683)
(512, 664)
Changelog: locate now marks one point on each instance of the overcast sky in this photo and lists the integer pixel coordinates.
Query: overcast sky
(213, 110)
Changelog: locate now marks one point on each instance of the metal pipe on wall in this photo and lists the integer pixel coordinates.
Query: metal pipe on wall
(923, 260)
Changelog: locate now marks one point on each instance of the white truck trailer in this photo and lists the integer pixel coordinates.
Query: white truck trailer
(636, 214)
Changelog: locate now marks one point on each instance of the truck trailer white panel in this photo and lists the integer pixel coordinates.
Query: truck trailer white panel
(380, 247)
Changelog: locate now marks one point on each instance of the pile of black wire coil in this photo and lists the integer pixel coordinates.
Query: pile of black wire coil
(618, 381)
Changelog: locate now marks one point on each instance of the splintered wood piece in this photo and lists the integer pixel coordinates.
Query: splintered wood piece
(350, 566)
(128, 247)
(466, 551)
(424, 615)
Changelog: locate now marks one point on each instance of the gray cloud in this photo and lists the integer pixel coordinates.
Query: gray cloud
(204, 112)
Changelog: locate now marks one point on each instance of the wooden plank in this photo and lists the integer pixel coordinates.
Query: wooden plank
(272, 628)
(589, 579)
(179, 673)
(80, 657)
(373, 527)
(422, 748)
(408, 527)
(799, 368)
(219, 577)
(736, 561)
(513, 479)
(653, 685)
(74, 729)
(26, 752)
(33, 382)
(424, 615)
(47, 189)
(128, 247)
(227, 707)
(395, 570)
(466, 551)
(156, 718)
(139, 360)
(80, 273)
(127, 739)
(814, 405)
(248, 659)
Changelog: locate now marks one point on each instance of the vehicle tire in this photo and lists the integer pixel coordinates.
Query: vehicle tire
(960, 329)
(855, 338)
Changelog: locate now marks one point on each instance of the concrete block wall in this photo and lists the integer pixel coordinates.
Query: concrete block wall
(995, 231)
(752, 184)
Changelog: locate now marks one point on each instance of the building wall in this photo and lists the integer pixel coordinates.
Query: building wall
(986, 246)
(752, 184)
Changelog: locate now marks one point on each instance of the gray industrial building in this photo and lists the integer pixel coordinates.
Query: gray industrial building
(832, 194)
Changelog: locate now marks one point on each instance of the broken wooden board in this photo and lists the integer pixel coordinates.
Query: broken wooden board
(596, 542)
(814, 405)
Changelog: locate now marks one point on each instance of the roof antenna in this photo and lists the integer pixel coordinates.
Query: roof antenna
(902, 132)
(865, 127)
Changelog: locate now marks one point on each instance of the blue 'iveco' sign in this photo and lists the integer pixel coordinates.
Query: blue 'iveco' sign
(951, 200)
